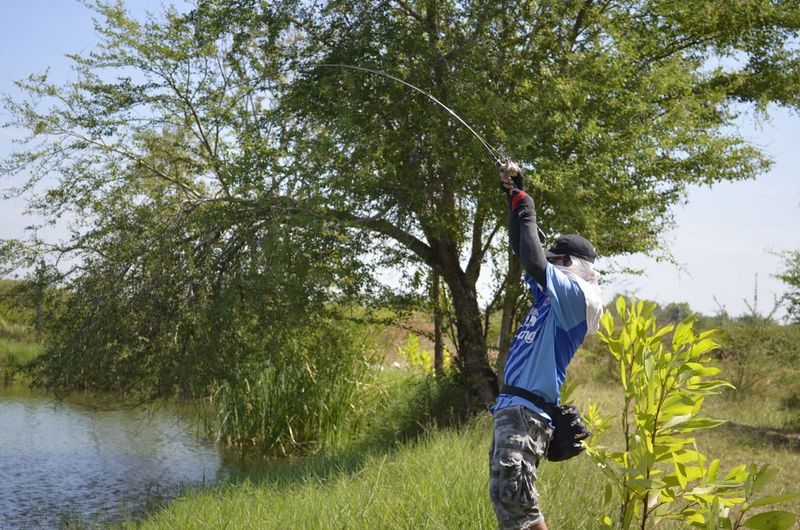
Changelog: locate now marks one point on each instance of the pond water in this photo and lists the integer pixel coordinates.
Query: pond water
(62, 461)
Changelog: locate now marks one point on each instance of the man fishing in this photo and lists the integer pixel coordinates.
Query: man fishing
(567, 306)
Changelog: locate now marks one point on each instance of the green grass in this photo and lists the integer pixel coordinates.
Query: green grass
(15, 353)
(440, 480)
(18, 352)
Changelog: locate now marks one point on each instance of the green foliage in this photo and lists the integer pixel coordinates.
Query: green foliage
(19, 343)
(419, 358)
(757, 353)
(416, 356)
(189, 144)
(660, 474)
(16, 310)
(301, 397)
(791, 276)
(401, 405)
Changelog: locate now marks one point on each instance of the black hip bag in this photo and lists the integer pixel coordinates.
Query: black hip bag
(569, 427)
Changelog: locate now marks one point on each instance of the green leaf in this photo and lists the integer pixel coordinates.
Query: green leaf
(713, 470)
(623, 376)
(696, 519)
(663, 331)
(763, 476)
(706, 334)
(649, 365)
(620, 304)
(608, 494)
(707, 386)
(702, 370)
(678, 404)
(700, 423)
(676, 420)
(713, 517)
(607, 322)
(683, 334)
(680, 472)
(778, 520)
(775, 499)
(703, 346)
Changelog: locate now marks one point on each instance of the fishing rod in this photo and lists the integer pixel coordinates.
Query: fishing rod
(496, 155)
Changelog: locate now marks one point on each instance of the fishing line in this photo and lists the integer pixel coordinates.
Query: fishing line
(494, 153)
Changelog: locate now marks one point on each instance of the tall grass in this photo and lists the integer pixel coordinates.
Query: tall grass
(18, 352)
(18, 347)
(300, 398)
(14, 330)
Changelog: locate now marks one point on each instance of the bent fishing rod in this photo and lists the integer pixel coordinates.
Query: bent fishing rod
(496, 155)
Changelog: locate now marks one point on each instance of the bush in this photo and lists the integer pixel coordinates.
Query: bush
(302, 396)
(401, 404)
(661, 474)
(757, 353)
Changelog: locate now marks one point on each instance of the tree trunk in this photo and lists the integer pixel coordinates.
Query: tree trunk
(474, 363)
(438, 345)
(509, 310)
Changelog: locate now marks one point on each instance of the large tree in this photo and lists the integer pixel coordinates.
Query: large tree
(613, 109)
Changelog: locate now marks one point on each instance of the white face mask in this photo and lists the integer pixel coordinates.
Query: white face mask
(583, 272)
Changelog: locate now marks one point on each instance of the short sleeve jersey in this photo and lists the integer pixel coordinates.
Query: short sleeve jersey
(546, 340)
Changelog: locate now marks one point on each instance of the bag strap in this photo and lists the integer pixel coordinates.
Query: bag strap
(550, 408)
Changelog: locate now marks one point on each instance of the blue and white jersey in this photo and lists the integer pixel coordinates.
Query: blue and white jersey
(545, 341)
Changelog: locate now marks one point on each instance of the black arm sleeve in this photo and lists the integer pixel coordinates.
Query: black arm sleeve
(524, 234)
(513, 232)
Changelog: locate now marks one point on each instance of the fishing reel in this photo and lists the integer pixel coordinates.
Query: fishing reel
(509, 168)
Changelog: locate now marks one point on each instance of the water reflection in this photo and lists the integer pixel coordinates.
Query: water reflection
(63, 461)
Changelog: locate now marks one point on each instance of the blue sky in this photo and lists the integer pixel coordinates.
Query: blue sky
(725, 236)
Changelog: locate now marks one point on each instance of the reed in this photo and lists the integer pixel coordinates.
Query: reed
(300, 397)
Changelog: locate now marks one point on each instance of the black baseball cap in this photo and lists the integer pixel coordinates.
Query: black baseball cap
(572, 245)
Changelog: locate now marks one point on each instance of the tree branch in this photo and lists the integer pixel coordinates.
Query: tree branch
(375, 223)
(479, 249)
(130, 156)
(577, 27)
(388, 229)
(676, 47)
(408, 10)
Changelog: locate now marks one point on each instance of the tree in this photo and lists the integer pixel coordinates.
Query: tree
(791, 276)
(609, 106)
(612, 108)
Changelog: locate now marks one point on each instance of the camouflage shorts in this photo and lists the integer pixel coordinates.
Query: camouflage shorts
(519, 443)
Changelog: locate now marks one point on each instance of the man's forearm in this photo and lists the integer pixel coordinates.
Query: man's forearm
(530, 251)
(513, 231)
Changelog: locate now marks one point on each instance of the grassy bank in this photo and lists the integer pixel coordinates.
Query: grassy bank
(18, 341)
(440, 480)
(16, 350)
